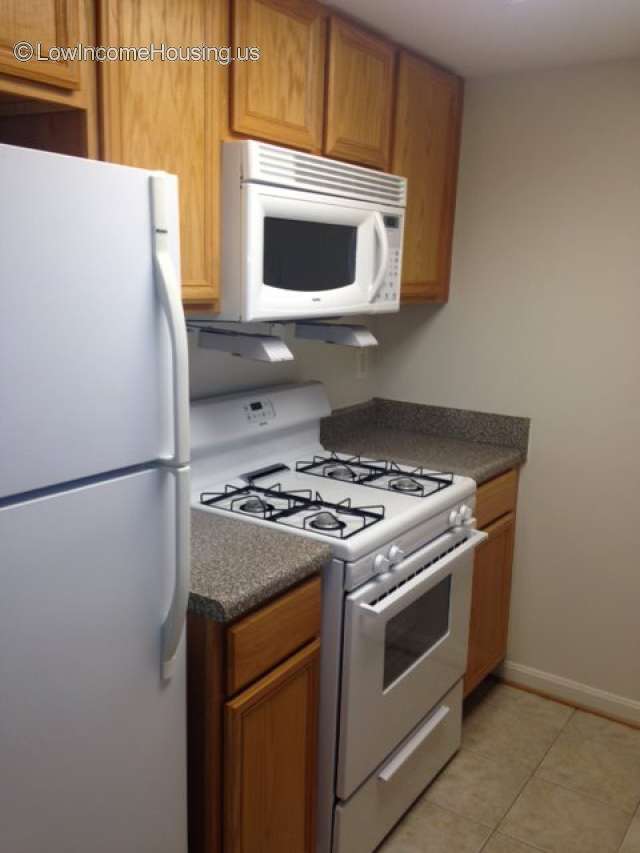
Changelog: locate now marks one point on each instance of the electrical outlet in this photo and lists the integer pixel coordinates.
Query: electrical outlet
(362, 362)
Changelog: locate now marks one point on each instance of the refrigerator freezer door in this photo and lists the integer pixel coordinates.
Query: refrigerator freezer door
(85, 381)
(92, 739)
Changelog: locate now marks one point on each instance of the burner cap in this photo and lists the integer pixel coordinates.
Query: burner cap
(340, 472)
(326, 521)
(405, 484)
(255, 505)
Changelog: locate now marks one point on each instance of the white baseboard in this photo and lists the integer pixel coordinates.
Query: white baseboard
(581, 695)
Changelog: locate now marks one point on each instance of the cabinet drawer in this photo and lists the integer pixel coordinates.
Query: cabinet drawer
(262, 640)
(497, 497)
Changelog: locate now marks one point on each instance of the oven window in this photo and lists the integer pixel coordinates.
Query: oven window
(415, 630)
(308, 256)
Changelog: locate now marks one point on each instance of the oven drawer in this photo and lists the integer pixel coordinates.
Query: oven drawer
(363, 821)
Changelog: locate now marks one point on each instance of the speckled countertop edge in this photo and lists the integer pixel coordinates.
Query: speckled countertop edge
(237, 566)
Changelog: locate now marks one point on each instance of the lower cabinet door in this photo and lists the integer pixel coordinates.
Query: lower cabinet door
(270, 760)
(490, 599)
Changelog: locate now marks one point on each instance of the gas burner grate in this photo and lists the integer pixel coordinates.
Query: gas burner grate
(349, 519)
(372, 473)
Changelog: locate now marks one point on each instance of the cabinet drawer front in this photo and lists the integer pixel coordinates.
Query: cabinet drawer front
(260, 641)
(497, 497)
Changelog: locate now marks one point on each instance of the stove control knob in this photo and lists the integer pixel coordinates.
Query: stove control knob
(381, 564)
(466, 512)
(455, 518)
(396, 554)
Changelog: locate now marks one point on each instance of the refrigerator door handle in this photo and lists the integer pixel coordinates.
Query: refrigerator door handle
(175, 621)
(168, 285)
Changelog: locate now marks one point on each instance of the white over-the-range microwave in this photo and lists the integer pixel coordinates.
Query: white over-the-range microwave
(307, 237)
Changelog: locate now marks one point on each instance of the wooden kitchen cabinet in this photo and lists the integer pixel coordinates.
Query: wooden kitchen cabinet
(170, 116)
(491, 594)
(48, 105)
(270, 760)
(426, 147)
(280, 98)
(51, 23)
(252, 727)
(359, 95)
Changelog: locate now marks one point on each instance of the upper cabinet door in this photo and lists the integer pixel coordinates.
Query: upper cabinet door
(359, 95)
(49, 23)
(280, 97)
(168, 115)
(426, 151)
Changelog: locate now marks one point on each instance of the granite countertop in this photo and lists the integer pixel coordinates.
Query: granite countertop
(237, 566)
(475, 444)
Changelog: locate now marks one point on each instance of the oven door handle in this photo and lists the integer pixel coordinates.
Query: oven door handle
(410, 591)
(405, 752)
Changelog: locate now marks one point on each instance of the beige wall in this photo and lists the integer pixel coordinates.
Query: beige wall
(216, 373)
(544, 320)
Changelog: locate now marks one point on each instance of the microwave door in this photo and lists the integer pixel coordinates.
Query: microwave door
(310, 255)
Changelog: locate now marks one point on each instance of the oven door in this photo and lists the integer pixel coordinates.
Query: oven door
(405, 646)
(309, 255)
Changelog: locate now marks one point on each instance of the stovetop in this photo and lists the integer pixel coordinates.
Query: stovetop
(351, 502)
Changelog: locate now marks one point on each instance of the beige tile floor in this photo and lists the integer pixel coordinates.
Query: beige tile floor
(532, 775)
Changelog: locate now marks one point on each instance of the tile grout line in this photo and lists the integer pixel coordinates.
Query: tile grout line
(451, 811)
(533, 773)
(495, 830)
(586, 795)
(626, 835)
(564, 787)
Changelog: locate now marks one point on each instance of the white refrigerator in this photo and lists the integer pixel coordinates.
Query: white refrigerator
(94, 508)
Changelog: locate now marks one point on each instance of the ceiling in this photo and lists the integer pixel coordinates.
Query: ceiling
(477, 38)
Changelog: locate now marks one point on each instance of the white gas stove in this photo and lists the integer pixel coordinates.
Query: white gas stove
(257, 455)
(396, 595)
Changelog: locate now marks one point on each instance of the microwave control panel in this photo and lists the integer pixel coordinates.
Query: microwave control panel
(390, 288)
(259, 411)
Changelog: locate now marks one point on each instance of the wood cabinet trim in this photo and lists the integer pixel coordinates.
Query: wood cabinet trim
(263, 639)
(337, 141)
(205, 707)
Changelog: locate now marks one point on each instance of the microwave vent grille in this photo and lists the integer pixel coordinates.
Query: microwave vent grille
(289, 168)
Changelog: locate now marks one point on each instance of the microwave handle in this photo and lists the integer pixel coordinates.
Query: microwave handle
(381, 233)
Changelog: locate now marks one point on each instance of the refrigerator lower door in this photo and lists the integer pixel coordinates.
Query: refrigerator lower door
(85, 383)
(92, 739)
